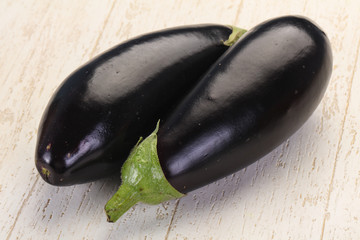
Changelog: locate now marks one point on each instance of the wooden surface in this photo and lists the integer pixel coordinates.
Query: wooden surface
(307, 188)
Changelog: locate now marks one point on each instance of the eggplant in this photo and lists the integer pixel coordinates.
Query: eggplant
(256, 95)
(98, 113)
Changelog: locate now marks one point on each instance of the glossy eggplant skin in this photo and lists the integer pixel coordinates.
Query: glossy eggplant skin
(99, 112)
(254, 97)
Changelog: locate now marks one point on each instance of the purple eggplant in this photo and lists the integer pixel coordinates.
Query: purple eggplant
(256, 95)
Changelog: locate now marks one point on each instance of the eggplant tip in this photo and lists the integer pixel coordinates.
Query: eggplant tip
(48, 174)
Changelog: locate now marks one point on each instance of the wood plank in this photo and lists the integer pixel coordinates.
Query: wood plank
(38, 55)
(342, 215)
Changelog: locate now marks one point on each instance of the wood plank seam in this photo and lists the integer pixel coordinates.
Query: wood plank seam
(93, 51)
(83, 197)
(172, 219)
(238, 12)
(22, 207)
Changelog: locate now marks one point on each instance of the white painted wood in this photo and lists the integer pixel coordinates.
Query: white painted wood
(307, 188)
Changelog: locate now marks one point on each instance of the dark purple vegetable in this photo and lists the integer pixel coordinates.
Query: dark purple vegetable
(98, 113)
(258, 94)
(254, 97)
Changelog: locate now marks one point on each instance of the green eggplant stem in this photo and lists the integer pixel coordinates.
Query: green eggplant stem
(121, 202)
(235, 35)
(142, 180)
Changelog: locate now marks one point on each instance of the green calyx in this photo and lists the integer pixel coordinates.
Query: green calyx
(142, 180)
(234, 36)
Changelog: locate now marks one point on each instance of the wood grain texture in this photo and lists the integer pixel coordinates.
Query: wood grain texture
(307, 188)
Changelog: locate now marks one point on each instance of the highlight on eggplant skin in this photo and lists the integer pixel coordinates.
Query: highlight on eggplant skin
(253, 98)
(98, 113)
